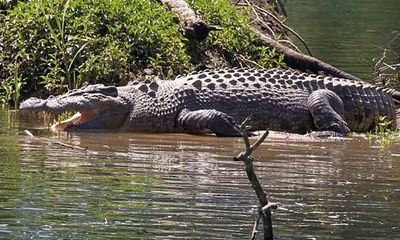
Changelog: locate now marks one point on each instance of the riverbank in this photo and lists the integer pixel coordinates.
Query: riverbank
(47, 47)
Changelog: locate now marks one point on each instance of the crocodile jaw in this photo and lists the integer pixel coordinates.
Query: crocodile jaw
(77, 119)
(97, 107)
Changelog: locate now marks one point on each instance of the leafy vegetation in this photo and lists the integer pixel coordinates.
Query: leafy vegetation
(47, 47)
(383, 133)
(57, 43)
(236, 42)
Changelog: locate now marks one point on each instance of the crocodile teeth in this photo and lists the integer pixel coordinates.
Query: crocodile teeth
(77, 119)
(60, 126)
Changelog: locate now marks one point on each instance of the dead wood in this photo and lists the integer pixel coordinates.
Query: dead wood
(195, 28)
(269, 26)
(192, 25)
(302, 62)
(265, 206)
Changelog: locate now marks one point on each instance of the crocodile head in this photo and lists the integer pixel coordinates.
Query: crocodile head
(96, 106)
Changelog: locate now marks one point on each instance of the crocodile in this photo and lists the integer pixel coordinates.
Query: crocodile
(217, 101)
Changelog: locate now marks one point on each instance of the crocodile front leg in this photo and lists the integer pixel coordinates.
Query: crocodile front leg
(327, 109)
(200, 121)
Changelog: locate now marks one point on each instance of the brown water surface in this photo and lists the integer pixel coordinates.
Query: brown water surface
(171, 186)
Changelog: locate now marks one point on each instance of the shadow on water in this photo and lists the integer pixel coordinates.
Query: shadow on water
(181, 186)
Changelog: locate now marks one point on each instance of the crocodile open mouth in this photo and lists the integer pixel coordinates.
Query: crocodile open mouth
(95, 107)
(78, 118)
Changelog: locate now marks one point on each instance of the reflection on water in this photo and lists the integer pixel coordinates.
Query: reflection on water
(181, 186)
(343, 32)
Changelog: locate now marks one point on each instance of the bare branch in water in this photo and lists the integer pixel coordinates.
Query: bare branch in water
(265, 206)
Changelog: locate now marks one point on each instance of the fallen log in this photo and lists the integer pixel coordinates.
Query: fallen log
(192, 25)
(301, 61)
(195, 28)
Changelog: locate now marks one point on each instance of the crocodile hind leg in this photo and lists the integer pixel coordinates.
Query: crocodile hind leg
(327, 109)
(199, 121)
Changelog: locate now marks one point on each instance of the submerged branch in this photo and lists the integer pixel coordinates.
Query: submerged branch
(52, 141)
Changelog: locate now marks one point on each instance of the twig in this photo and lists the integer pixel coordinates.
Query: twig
(254, 8)
(241, 57)
(257, 18)
(255, 227)
(285, 27)
(289, 43)
(54, 141)
(246, 157)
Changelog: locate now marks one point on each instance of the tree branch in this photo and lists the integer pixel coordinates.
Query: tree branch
(302, 62)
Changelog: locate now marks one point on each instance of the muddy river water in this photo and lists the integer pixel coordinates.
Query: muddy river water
(172, 186)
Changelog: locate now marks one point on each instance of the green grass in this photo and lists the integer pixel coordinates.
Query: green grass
(384, 134)
(47, 47)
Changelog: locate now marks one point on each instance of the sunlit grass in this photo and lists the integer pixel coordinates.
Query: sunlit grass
(384, 134)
